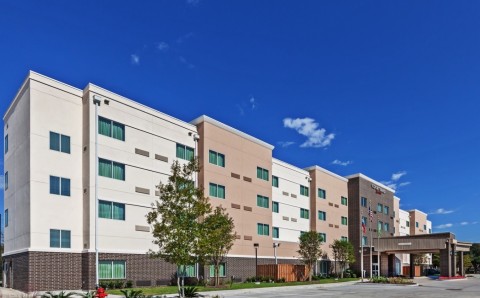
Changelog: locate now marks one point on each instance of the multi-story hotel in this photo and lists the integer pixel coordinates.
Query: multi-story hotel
(66, 147)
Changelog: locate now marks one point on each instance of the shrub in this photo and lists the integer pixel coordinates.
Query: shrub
(119, 284)
(191, 291)
(132, 293)
(129, 284)
(61, 294)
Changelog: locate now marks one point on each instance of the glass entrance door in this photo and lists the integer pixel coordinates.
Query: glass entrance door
(374, 269)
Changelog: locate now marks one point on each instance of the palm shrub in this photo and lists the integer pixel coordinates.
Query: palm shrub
(61, 294)
(191, 292)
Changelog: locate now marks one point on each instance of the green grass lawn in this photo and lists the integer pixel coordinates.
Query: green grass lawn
(236, 286)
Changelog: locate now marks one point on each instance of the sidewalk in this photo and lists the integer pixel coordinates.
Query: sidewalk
(7, 293)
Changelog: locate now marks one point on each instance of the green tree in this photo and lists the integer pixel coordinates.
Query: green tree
(475, 256)
(175, 218)
(343, 253)
(310, 250)
(467, 263)
(436, 260)
(218, 232)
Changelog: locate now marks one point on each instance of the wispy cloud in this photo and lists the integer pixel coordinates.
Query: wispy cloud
(444, 226)
(162, 46)
(393, 182)
(342, 163)
(441, 211)
(240, 109)
(464, 223)
(184, 61)
(184, 37)
(253, 103)
(135, 59)
(285, 144)
(193, 2)
(316, 137)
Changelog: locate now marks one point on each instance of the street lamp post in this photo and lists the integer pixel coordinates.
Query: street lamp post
(275, 245)
(256, 260)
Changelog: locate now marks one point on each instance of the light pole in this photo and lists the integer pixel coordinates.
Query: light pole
(256, 260)
(275, 245)
(96, 102)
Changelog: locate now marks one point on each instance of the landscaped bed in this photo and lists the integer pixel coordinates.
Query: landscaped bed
(236, 286)
(390, 280)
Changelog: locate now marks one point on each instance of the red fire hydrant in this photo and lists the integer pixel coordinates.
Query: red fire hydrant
(101, 293)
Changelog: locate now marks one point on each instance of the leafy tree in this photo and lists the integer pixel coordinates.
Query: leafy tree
(175, 217)
(218, 232)
(420, 259)
(475, 256)
(467, 263)
(343, 253)
(310, 250)
(436, 260)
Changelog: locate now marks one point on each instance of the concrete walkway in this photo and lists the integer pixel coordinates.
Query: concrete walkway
(5, 292)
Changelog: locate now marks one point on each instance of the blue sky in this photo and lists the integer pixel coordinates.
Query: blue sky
(386, 88)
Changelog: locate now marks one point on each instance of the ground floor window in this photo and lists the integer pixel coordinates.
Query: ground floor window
(221, 270)
(111, 270)
(188, 270)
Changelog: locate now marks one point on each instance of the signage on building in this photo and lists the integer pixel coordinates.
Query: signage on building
(378, 189)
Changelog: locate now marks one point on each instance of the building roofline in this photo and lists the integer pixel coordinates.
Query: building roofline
(360, 175)
(317, 168)
(97, 89)
(205, 118)
(416, 210)
(290, 166)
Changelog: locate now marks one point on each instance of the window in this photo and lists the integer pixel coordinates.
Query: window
(304, 190)
(59, 186)
(5, 181)
(262, 201)
(6, 144)
(275, 232)
(379, 208)
(111, 128)
(323, 237)
(262, 173)
(344, 220)
(322, 194)
(111, 210)
(263, 229)
(364, 240)
(363, 201)
(408, 224)
(111, 169)
(343, 238)
(188, 270)
(344, 201)
(185, 152)
(424, 227)
(364, 220)
(216, 158)
(386, 227)
(304, 213)
(416, 224)
(385, 209)
(275, 206)
(379, 225)
(111, 270)
(59, 238)
(59, 142)
(221, 270)
(429, 231)
(274, 181)
(6, 218)
(217, 191)
(322, 215)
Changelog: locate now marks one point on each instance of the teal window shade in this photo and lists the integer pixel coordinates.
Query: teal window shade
(386, 209)
(6, 218)
(263, 229)
(416, 224)
(118, 171)
(216, 158)
(111, 210)
(364, 240)
(364, 220)
(118, 211)
(262, 174)
(5, 181)
(54, 185)
(217, 191)
(6, 144)
(262, 201)
(65, 144)
(60, 238)
(187, 270)
(303, 190)
(386, 226)
(322, 215)
(275, 232)
(275, 207)
(379, 208)
(65, 187)
(111, 270)
(363, 201)
(274, 181)
(111, 128)
(118, 131)
(185, 152)
(322, 194)
(304, 213)
(344, 201)
(54, 141)
(344, 220)
(111, 169)
(221, 270)
(379, 225)
(323, 237)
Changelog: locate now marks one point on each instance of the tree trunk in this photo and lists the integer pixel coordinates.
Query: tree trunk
(217, 278)
(310, 272)
(179, 286)
(341, 272)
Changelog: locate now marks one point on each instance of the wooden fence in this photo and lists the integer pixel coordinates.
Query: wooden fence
(289, 272)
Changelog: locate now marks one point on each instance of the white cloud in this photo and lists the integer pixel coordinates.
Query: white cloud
(464, 223)
(193, 2)
(448, 225)
(2, 180)
(163, 46)
(240, 109)
(135, 59)
(184, 61)
(475, 222)
(398, 175)
(253, 103)
(441, 211)
(286, 144)
(341, 163)
(404, 183)
(317, 137)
